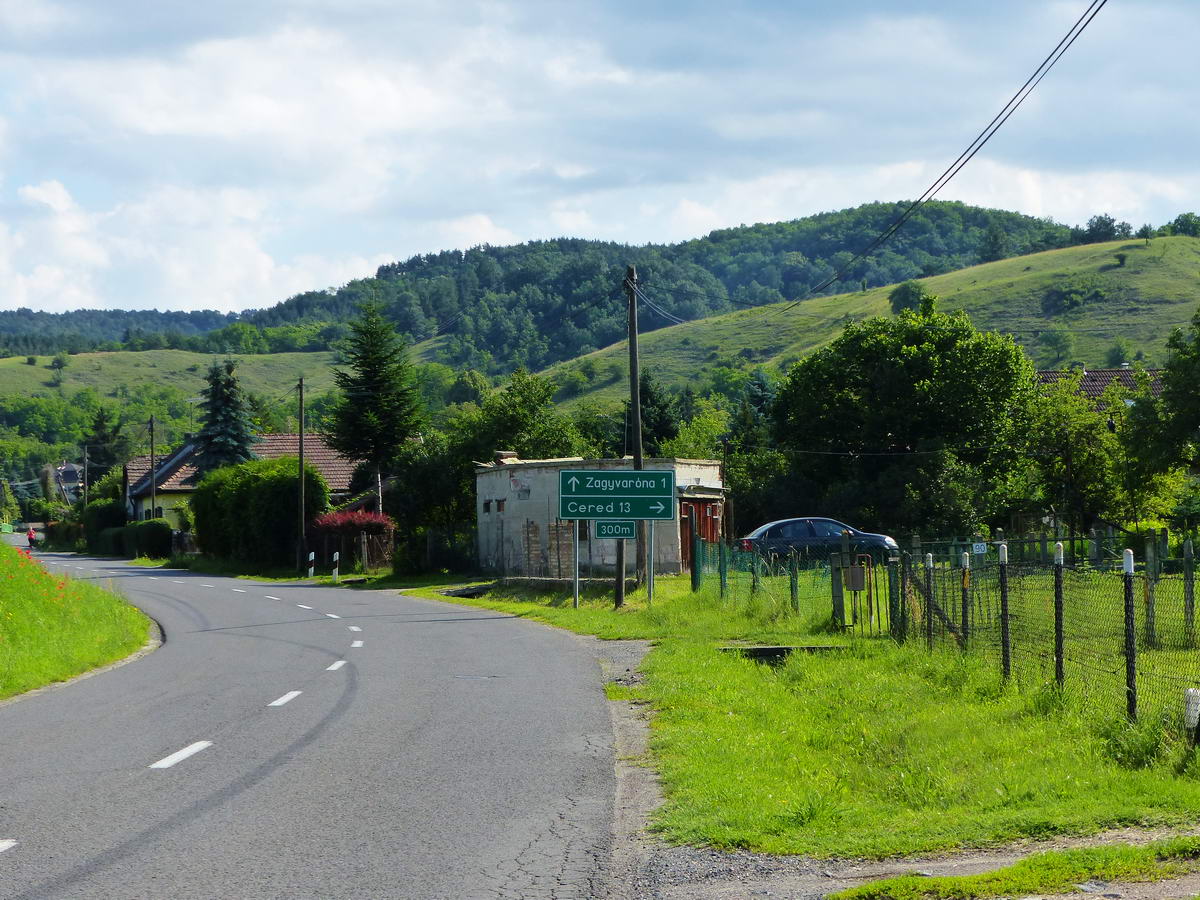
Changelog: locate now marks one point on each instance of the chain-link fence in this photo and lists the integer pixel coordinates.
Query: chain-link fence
(1117, 642)
(805, 584)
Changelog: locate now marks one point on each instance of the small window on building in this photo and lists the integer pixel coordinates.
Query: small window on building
(499, 506)
(487, 506)
(158, 513)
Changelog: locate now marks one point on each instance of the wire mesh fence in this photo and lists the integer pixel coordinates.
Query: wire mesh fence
(1116, 643)
(804, 584)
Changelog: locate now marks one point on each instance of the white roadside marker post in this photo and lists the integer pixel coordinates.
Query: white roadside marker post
(336, 556)
(312, 556)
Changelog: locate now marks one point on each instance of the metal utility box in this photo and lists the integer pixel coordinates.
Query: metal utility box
(855, 577)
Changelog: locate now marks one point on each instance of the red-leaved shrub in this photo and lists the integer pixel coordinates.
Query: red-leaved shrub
(353, 521)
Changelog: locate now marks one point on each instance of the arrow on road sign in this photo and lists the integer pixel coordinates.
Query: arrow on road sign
(657, 507)
(573, 481)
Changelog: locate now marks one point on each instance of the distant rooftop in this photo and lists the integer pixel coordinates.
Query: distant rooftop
(175, 472)
(1096, 381)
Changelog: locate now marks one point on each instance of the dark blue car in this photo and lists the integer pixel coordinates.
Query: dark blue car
(816, 536)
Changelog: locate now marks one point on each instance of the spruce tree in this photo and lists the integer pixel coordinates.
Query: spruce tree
(105, 446)
(379, 407)
(226, 438)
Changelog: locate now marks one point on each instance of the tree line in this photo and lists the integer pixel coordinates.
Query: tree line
(533, 304)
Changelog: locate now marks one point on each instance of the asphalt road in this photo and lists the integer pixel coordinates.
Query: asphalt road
(342, 744)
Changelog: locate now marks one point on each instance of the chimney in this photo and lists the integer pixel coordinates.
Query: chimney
(1125, 365)
(503, 456)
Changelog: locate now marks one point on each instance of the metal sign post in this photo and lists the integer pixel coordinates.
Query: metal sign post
(650, 567)
(615, 499)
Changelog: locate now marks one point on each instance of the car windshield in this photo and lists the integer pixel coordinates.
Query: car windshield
(828, 528)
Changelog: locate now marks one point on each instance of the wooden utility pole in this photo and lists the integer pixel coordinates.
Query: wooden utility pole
(302, 543)
(153, 473)
(635, 407)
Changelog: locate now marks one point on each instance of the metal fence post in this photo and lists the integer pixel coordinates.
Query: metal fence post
(1189, 593)
(929, 599)
(1130, 642)
(694, 537)
(723, 567)
(1059, 676)
(905, 561)
(1149, 590)
(966, 598)
(893, 577)
(794, 580)
(755, 575)
(1005, 635)
(839, 602)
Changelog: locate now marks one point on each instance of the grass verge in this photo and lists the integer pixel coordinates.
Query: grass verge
(52, 629)
(1042, 873)
(873, 750)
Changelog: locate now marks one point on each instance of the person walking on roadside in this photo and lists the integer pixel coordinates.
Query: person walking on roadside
(31, 536)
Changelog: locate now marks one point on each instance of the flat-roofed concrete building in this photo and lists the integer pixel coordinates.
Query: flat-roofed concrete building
(520, 534)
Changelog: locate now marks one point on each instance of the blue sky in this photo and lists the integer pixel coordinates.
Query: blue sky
(226, 155)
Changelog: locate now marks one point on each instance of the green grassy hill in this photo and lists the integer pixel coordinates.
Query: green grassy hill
(1156, 290)
(267, 374)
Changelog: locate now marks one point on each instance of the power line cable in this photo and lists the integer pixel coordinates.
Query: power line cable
(974, 147)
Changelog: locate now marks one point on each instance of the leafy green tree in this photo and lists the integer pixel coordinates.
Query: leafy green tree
(225, 438)
(909, 295)
(995, 245)
(1186, 223)
(700, 436)
(1120, 352)
(379, 408)
(1166, 430)
(1058, 343)
(908, 422)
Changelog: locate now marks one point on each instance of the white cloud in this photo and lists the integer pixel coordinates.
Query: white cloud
(25, 18)
(473, 230)
(238, 153)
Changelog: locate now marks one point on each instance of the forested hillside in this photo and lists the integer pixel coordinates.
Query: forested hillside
(541, 302)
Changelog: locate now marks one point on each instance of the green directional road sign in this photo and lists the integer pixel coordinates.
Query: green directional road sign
(615, 529)
(616, 494)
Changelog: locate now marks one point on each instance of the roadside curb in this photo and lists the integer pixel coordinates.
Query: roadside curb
(155, 640)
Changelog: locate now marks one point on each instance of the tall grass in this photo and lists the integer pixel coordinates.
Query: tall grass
(53, 628)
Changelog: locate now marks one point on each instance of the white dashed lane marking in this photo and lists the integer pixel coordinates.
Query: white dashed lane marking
(7, 844)
(179, 755)
(337, 665)
(239, 590)
(356, 643)
(302, 606)
(176, 582)
(354, 628)
(289, 696)
(332, 616)
(269, 597)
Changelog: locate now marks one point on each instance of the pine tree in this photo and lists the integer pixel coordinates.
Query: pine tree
(105, 446)
(226, 438)
(379, 408)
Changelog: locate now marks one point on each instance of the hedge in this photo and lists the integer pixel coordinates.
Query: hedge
(98, 516)
(248, 512)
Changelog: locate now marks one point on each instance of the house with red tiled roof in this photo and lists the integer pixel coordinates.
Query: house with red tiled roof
(1095, 382)
(175, 476)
